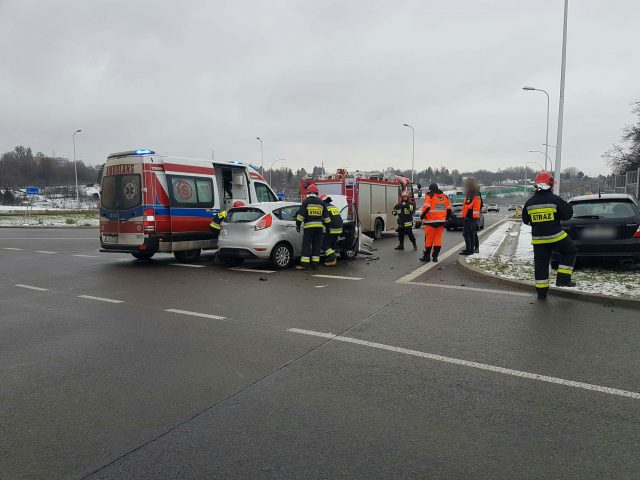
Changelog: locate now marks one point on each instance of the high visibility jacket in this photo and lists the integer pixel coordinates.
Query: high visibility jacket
(544, 211)
(404, 211)
(471, 207)
(217, 220)
(313, 213)
(335, 225)
(435, 210)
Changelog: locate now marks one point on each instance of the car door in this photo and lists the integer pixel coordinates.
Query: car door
(353, 238)
(287, 217)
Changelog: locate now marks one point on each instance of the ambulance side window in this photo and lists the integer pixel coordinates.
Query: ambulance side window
(191, 192)
(263, 194)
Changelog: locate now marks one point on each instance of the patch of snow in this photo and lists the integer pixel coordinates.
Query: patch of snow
(491, 244)
(525, 249)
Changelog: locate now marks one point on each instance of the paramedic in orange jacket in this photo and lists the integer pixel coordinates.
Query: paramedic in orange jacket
(471, 216)
(435, 211)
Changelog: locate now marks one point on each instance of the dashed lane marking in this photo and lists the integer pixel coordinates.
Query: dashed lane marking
(46, 251)
(195, 314)
(476, 365)
(338, 277)
(100, 299)
(12, 248)
(254, 270)
(190, 265)
(86, 256)
(473, 289)
(31, 287)
(408, 278)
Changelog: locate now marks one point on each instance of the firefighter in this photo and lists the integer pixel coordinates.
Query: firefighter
(219, 217)
(544, 211)
(404, 210)
(312, 217)
(332, 231)
(435, 211)
(470, 216)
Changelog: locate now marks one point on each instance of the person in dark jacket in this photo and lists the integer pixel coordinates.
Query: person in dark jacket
(312, 218)
(331, 231)
(544, 211)
(471, 216)
(404, 211)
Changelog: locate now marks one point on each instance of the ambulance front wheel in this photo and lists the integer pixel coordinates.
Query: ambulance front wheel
(186, 256)
(143, 255)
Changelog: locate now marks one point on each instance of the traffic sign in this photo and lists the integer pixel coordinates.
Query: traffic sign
(33, 191)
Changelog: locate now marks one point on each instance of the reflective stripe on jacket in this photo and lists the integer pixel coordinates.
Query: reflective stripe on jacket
(473, 204)
(435, 209)
(335, 220)
(544, 211)
(404, 211)
(312, 213)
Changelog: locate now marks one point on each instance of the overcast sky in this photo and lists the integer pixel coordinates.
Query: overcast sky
(317, 79)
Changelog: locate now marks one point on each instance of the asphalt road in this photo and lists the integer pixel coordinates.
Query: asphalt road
(112, 368)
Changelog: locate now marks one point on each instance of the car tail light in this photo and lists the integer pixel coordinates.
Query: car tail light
(149, 222)
(637, 234)
(265, 222)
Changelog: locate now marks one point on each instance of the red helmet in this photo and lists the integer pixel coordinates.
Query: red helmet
(544, 181)
(313, 189)
(239, 203)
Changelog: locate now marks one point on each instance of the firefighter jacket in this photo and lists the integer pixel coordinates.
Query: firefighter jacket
(404, 211)
(436, 209)
(471, 207)
(544, 211)
(335, 225)
(217, 220)
(313, 213)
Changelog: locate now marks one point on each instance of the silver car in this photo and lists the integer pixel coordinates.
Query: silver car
(267, 231)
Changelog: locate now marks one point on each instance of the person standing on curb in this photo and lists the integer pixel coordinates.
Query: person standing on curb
(470, 216)
(404, 210)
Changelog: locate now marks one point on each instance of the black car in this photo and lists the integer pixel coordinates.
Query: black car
(455, 221)
(606, 225)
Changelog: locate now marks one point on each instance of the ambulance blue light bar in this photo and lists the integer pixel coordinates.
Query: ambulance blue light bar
(132, 152)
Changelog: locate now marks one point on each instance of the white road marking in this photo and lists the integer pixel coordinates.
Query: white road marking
(13, 248)
(408, 278)
(86, 256)
(240, 269)
(190, 265)
(100, 299)
(46, 251)
(31, 287)
(473, 289)
(321, 286)
(337, 277)
(479, 366)
(195, 314)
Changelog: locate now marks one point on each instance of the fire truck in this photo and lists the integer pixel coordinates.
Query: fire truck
(373, 194)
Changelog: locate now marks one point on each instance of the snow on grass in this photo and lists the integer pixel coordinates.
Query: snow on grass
(74, 219)
(615, 281)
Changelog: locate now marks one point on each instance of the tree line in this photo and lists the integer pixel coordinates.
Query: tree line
(625, 157)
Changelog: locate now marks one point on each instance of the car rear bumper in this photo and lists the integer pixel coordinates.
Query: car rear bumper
(616, 248)
(238, 249)
(245, 253)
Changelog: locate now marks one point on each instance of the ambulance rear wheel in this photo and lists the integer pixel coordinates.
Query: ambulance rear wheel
(186, 256)
(143, 255)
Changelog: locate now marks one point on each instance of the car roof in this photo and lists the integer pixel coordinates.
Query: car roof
(602, 196)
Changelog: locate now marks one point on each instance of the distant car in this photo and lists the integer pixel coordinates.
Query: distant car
(512, 208)
(493, 208)
(606, 225)
(484, 209)
(267, 231)
(455, 221)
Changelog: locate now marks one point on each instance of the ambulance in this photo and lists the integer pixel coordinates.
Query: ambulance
(154, 203)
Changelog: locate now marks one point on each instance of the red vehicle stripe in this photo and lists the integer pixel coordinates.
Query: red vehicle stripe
(179, 168)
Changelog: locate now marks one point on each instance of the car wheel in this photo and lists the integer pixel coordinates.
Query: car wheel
(230, 261)
(143, 255)
(378, 228)
(349, 254)
(482, 225)
(282, 256)
(187, 256)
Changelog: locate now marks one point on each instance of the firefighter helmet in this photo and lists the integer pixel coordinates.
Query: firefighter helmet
(544, 181)
(326, 198)
(239, 203)
(313, 189)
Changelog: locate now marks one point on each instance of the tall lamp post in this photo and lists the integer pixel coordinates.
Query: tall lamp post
(563, 68)
(271, 168)
(546, 157)
(546, 142)
(261, 155)
(75, 167)
(413, 147)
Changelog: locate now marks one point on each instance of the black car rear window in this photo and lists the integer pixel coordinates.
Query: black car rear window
(604, 208)
(244, 215)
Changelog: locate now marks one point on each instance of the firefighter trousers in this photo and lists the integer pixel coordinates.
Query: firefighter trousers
(433, 235)
(329, 243)
(408, 231)
(542, 255)
(311, 245)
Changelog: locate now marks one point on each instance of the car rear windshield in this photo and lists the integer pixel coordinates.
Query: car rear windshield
(604, 208)
(121, 192)
(244, 215)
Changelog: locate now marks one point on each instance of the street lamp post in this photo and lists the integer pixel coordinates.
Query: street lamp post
(563, 68)
(413, 148)
(261, 155)
(546, 157)
(546, 142)
(75, 168)
(271, 168)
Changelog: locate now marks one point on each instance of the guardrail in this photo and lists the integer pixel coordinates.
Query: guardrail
(628, 183)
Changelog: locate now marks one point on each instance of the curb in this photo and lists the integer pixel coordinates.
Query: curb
(606, 300)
